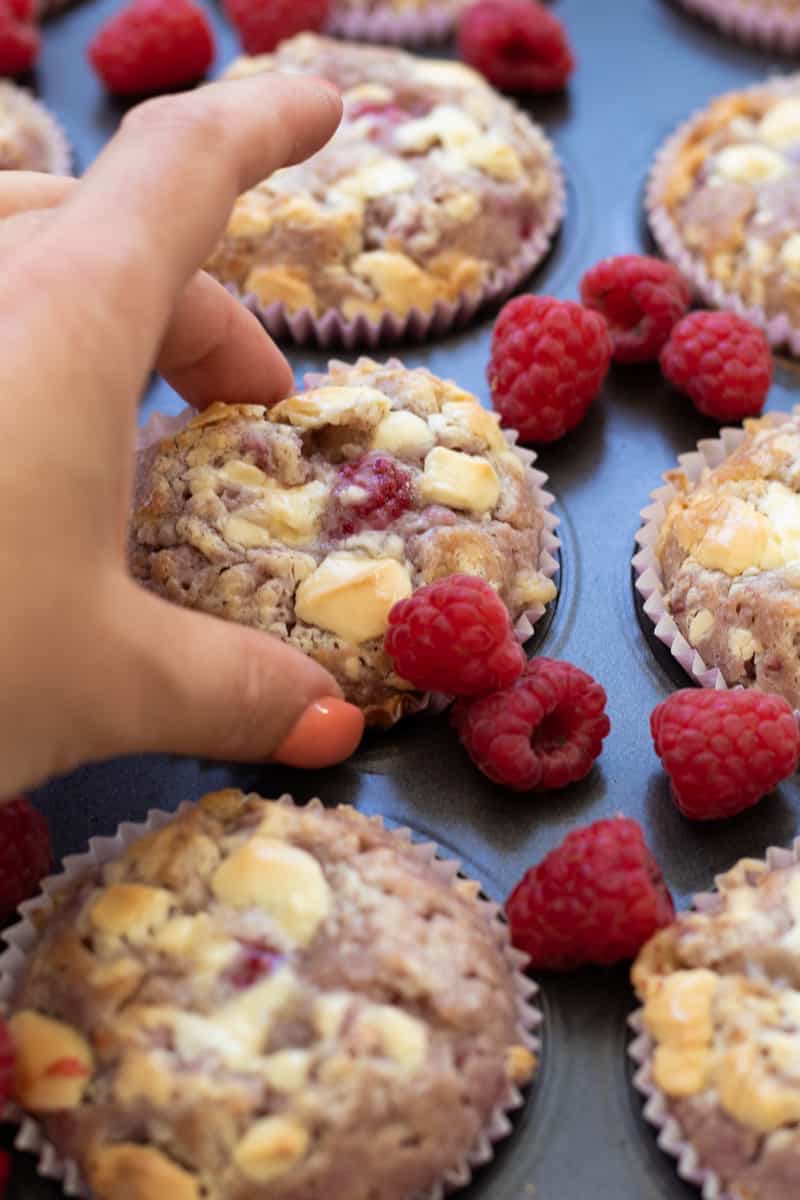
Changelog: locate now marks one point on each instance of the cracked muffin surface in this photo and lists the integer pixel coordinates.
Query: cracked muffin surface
(263, 1001)
(427, 190)
(309, 520)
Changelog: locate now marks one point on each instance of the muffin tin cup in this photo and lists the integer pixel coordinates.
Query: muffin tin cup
(30, 110)
(333, 329)
(775, 31)
(671, 1137)
(21, 938)
(648, 580)
(401, 28)
(780, 329)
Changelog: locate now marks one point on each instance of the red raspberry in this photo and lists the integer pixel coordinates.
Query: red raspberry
(723, 751)
(542, 732)
(641, 299)
(24, 10)
(373, 491)
(152, 45)
(549, 360)
(19, 38)
(254, 964)
(261, 24)
(516, 44)
(25, 853)
(5, 1171)
(596, 898)
(722, 362)
(454, 636)
(7, 1061)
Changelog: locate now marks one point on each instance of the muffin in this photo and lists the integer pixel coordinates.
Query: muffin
(729, 556)
(771, 23)
(311, 519)
(724, 204)
(409, 22)
(435, 193)
(721, 1032)
(258, 1000)
(30, 137)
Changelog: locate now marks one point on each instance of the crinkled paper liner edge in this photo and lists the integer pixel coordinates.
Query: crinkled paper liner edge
(332, 329)
(58, 145)
(656, 1112)
(384, 24)
(779, 329)
(648, 581)
(21, 937)
(776, 31)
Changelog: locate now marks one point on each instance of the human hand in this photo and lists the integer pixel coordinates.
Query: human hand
(99, 283)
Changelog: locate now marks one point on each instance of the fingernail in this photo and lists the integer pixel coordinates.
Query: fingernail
(327, 732)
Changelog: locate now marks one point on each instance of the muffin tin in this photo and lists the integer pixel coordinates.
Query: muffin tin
(642, 68)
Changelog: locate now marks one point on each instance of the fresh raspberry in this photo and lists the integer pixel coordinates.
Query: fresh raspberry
(374, 491)
(641, 299)
(723, 751)
(7, 1060)
(517, 44)
(722, 362)
(542, 732)
(255, 962)
(261, 24)
(19, 38)
(549, 359)
(596, 898)
(25, 853)
(152, 45)
(454, 636)
(5, 1171)
(24, 10)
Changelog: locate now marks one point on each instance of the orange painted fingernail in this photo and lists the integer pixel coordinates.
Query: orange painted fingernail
(327, 732)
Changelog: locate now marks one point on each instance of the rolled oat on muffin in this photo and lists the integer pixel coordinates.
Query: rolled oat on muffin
(267, 1001)
(434, 193)
(309, 520)
(31, 138)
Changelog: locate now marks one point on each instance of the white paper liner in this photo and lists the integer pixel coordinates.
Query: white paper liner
(332, 329)
(671, 1137)
(779, 329)
(20, 939)
(31, 110)
(648, 580)
(434, 22)
(774, 30)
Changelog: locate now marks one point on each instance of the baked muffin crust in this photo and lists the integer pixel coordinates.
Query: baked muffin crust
(30, 140)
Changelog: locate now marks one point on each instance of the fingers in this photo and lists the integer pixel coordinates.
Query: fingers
(23, 190)
(194, 684)
(215, 350)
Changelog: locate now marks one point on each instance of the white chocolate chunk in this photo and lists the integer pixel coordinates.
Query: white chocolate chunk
(459, 481)
(790, 254)
(53, 1062)
(332, 406)
(280, 879)
(351, 595)
(750, 163)
(377, 179)
(270, 1148)
(700, 626)
(780, 126)
(402, 1038)
(403, 434)
(131, 910)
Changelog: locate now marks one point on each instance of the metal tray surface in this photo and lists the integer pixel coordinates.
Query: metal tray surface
(643, 66)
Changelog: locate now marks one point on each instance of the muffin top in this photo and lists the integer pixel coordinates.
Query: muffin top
(722, 1006)
(29, 139)
(428, 188)
(311, 519)
(729, 549)
(732, 192)
(259, 1000)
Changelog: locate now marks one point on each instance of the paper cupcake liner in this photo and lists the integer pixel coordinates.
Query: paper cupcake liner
(648, 580)
(31, 110)
(671, 1137)
(780, 329)
(332, 329)
(21, 937)
(775, 31)
(414, 27)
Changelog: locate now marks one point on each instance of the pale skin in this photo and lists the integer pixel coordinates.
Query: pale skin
(99, 284)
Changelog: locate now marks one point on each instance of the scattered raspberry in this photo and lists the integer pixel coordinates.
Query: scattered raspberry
(373, 491)
(255, 963)
(641, 299)
(596, 898)
(722, 362)
(19, 37)
(723, 751)
(517, 44)
(542, 732)
(454, 636)
(7, 1059)
(25, 853)
(549, 359)
(152, 45)
(261, 24)
(24, 10)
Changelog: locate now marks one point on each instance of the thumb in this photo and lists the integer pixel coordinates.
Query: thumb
(196, 684)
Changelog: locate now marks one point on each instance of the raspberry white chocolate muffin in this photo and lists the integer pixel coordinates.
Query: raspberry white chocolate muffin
(724, 203)
(263, 1001)
(774, 23)
(30, 137)
(722, 1014)
(409, 22)
(426, 196)
(311, 519)
(729, 549)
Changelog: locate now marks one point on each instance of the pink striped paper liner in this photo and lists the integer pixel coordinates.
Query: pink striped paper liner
(33, 112)
(776, 30)
(433, 21)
